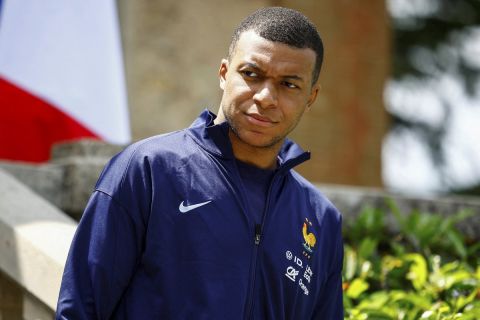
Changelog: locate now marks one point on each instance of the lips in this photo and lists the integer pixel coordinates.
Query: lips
(260, 120)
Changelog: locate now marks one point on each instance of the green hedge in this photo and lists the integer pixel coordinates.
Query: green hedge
(427, 269)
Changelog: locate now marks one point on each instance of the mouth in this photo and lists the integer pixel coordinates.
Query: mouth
(259, 120)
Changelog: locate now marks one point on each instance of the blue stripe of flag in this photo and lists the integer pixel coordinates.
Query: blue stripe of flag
(1, 2)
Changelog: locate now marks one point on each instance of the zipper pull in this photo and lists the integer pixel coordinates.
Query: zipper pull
(258, 229)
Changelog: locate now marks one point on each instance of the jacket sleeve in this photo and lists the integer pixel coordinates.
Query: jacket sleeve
(102, 259)
(109, 240)
(330, 304)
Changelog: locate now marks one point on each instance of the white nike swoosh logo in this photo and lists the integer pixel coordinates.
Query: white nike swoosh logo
(184, 208)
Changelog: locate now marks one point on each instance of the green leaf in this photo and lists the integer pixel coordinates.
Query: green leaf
(428, 315)
(399, 217)
(367, 247)
(390, 262)
(462, 301)
(462, 215)
(416, 300)
(365, 269)
(351, 263)
(356, 288)
(418, 270)
(457, 243)
(456, 278)
(375, 301)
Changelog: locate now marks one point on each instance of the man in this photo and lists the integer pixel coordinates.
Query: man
(211, 222)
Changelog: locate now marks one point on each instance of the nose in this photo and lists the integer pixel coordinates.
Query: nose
(266, 95)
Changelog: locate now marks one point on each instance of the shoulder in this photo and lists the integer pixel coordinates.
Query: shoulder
(323, 207)
(155, 146)
(136, 162)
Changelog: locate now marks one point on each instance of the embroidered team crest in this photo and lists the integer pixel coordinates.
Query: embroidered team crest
(297, 269)
(309, 238)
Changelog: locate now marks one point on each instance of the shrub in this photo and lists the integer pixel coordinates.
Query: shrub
(426, 270)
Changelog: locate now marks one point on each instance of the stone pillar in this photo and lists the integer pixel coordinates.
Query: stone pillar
(17, 304)
(10, 299)
(34, 241)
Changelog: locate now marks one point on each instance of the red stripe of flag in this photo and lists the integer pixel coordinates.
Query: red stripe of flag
(29, 126)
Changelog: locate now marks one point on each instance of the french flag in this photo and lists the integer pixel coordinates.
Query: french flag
(61, 76)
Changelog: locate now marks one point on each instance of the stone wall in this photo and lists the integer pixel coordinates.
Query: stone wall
(352, 200)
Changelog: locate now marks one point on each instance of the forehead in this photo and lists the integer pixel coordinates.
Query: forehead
(273, 56)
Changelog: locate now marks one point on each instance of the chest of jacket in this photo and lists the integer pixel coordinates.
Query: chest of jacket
(201, 243)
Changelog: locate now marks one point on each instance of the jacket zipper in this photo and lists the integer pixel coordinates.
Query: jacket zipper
(258, 233)
(257, 238)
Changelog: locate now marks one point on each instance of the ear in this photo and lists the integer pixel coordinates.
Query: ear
(222, 73)
(313, 95)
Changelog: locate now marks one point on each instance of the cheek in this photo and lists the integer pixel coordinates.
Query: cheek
(237, 92)
(294, 109)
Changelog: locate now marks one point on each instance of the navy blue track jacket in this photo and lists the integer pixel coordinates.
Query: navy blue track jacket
(166, 235)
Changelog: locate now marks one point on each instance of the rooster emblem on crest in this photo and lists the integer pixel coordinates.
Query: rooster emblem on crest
(310, 239)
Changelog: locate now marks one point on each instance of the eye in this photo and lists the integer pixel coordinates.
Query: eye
(250, 74)
(289, 85)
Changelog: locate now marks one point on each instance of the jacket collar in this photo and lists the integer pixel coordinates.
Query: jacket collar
(214, 139)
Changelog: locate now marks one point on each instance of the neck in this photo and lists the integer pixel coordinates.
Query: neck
(264, 158)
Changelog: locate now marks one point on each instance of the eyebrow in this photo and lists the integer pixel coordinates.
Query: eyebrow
(257, 68)
(251, 65)
(293, 78)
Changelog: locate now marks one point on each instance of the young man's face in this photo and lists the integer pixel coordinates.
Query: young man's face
(267, 86)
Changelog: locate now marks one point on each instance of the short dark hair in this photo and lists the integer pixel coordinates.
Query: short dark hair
(286, 26)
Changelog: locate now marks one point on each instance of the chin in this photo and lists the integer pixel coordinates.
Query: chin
(263, 142)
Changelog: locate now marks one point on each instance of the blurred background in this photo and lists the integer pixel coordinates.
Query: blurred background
(433, 97)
